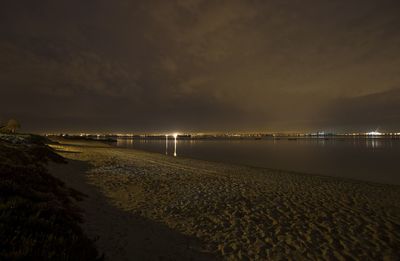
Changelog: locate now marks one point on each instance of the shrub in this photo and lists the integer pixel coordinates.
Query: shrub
(38, 219)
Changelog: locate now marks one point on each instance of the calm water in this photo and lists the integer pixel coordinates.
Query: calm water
(374, 159)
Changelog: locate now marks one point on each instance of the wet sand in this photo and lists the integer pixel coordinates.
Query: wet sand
(150, 206)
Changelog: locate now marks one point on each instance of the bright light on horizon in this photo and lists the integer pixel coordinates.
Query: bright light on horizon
(374, 133)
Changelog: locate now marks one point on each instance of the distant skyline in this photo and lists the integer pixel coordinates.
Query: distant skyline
(200, 65)
(232, 134)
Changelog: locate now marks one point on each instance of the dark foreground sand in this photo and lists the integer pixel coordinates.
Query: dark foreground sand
(145, 206)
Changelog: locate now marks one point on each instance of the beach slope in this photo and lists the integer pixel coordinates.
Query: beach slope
(145, 204)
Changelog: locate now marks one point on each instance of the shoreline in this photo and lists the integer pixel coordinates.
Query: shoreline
(247, 211)
(261, 168)
(372, 162)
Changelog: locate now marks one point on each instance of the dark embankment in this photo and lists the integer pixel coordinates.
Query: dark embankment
(38, 218)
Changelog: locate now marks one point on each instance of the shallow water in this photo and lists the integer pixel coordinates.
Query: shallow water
(372, 159)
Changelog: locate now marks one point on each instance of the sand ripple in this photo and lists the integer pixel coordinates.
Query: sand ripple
(250, 213)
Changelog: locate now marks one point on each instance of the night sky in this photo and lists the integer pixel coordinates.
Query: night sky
(198, 65)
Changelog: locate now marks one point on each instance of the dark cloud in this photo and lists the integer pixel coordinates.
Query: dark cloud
(373, 111)
(200, 65)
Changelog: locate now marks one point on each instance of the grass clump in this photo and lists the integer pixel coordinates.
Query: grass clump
(38, 219)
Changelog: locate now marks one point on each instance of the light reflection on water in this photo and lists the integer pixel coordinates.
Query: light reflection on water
(372, 159)
(175, 142)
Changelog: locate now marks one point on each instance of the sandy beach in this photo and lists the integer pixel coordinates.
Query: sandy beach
(149, 206)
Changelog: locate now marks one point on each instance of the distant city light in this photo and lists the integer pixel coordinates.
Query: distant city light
(236, 135)
(374, 133)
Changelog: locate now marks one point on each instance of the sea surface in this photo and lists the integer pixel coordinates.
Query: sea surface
(360, 158)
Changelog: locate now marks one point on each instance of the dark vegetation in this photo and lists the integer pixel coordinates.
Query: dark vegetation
(38, 219)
